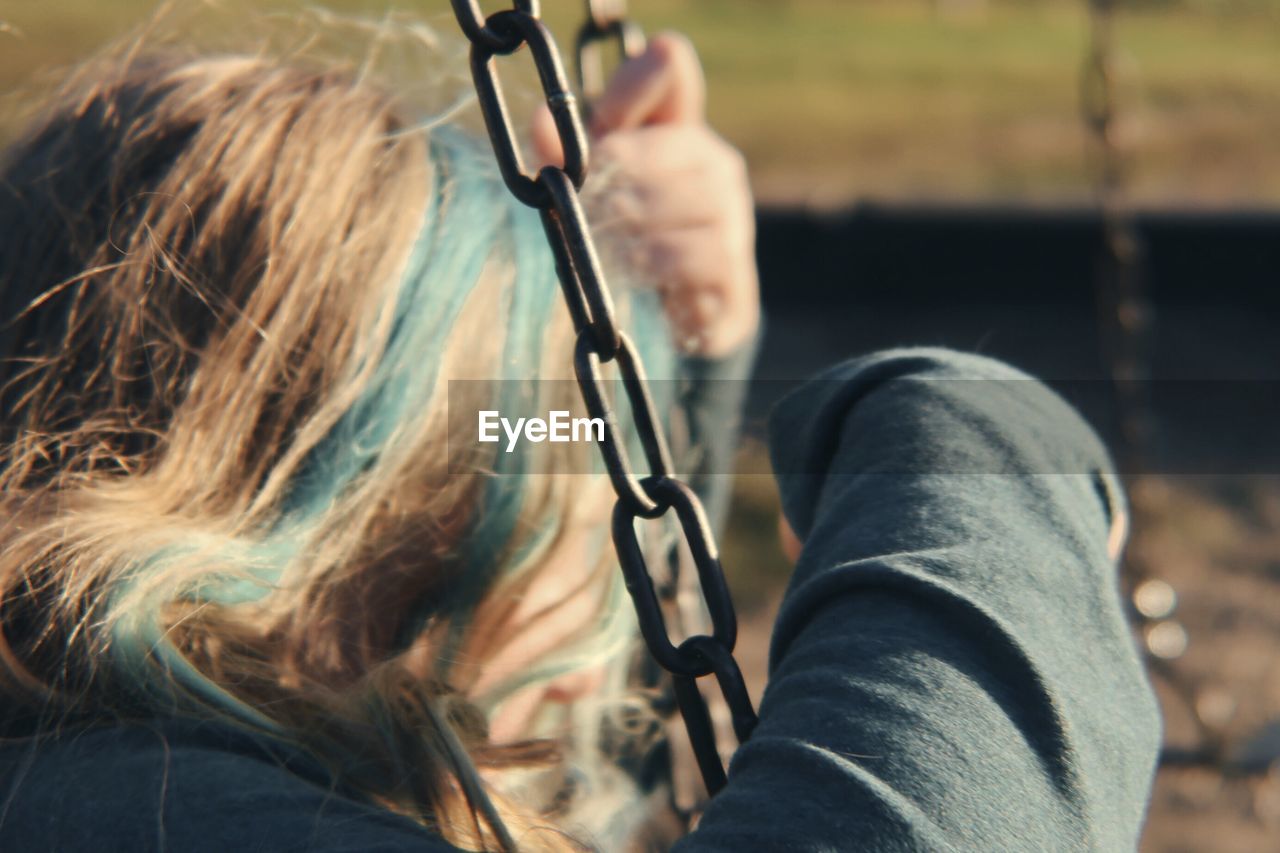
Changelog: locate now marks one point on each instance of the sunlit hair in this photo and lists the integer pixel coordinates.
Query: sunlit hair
(235, 289)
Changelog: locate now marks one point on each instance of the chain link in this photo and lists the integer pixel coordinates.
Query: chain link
(478, 31)
(554, 193)
(586, 366)
(517, 28)
(606, 21)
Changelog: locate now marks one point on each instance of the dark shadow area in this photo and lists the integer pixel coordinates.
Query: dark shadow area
(1019, 285)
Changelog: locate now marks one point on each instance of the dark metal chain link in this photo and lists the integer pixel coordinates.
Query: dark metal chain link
(554, 193)
(606, 22)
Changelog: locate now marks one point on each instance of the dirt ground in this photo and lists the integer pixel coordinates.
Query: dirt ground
(1218, 543)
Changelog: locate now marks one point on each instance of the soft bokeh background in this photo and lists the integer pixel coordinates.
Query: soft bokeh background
(834, 100)
(973, 104)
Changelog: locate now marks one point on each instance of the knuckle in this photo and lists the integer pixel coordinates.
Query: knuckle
(612, 148)
(674, 48)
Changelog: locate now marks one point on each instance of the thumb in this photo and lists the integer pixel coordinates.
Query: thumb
(663, 85)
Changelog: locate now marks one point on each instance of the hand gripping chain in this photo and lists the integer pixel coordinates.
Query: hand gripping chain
(554, 193)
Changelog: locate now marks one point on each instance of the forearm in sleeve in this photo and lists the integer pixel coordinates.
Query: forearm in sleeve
(951, 668)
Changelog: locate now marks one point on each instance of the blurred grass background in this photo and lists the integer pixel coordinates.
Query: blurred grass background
(902, 99)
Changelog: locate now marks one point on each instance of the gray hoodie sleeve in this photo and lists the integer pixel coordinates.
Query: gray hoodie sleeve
(951, 667)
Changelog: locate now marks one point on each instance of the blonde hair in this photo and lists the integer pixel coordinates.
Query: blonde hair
(235, 289)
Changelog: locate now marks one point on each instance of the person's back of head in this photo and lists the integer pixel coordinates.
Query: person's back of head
(235, 290)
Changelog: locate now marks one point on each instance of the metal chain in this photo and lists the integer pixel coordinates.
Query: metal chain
(554, 193)
(1126, 317)
(1124, 312)
(1122, 297)
(606, 21)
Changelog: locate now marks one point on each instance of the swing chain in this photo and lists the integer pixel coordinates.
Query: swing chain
(554, 193)
(606, 21)
(1122, 298)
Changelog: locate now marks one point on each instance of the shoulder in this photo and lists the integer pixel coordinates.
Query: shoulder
(183, 786)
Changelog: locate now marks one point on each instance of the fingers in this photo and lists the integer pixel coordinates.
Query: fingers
(686, 256)
(703, 283)
(679, 192)
(673, 177)
(682, 192)
(664, 85)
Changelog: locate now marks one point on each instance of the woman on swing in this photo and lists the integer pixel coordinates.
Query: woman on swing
(249, 604)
